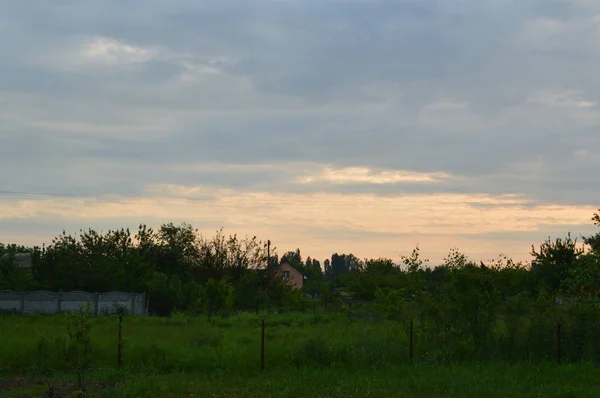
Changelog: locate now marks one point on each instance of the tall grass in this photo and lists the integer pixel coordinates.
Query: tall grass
(37, 345)
(182, 355)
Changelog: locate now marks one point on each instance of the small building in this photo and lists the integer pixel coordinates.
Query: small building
(21, 260)
(291, 276)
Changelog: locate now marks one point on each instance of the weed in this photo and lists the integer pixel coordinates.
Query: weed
(79, 326)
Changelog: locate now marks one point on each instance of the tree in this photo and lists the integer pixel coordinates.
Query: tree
(511, 278)
(343, 264)
(456, 260)
(584, 279)
(314, 277)
(294, 258)
(554, 260)
(177, 249)
(414, 262)
(62, 266)
(327, 269)
(594, 240)
(374, 274)
(218, 295)
(12, 277)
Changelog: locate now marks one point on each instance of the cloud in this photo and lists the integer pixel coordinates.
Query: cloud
(572, 99)
(353, 100)
(358, 175)
(368, 217)
(108, 51)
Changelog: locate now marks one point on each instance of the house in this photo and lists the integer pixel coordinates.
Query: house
(290, 275)
(21, 260)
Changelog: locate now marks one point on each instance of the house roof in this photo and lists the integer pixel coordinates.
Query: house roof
(286, 262)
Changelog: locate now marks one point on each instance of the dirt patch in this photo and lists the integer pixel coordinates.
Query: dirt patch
(14, 384)
(49, 389)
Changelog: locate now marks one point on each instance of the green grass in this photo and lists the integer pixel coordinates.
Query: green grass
(33, 343)
(399, 381)
(306, 355)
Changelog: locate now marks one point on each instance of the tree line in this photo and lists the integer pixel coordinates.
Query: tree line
(181, 270)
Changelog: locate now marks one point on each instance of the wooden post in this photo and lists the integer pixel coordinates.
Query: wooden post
(23, 303)
(132, 303)
(58, 300)
(262, 345)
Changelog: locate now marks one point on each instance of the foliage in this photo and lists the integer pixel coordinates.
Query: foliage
(462, 312)
(594, 241)
(173, 264)
(218, 295)
(468, 380)
(523, 331)
(554, 260)
(78, 330)
(584, 279)
(181, 270)
(414, 262)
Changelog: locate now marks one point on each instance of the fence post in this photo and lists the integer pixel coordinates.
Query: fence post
(23, 303)
(120, 341)
(411, 342)
(262, 345)
(558, 341)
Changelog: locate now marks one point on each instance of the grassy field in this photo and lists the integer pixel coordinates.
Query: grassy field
(398, 381)
(306, 355)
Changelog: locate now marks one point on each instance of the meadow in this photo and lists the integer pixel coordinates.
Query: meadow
(305, 355)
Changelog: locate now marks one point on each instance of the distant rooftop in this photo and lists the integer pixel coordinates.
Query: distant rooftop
(22, 260)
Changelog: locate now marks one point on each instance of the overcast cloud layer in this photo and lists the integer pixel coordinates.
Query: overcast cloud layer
(363, 126)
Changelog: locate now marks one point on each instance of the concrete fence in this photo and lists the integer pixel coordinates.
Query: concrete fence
(44, 302)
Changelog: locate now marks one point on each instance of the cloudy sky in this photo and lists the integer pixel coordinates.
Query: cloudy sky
(358, 126)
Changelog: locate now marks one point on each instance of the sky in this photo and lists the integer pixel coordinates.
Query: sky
(364, 126)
